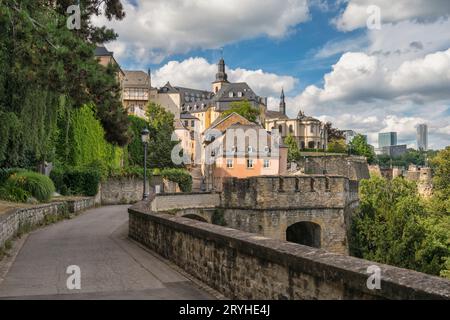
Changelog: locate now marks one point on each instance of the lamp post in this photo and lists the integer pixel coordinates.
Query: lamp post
(145, 137)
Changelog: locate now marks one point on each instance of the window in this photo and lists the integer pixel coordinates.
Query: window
(312, 129)
(192, 123)
(250, 163)
(280, 129)
(250, 149)
(266, 163)
(229, 163)
(186, 123)
(239, 94)
(266, 149)
(291, 129)
(231, 94)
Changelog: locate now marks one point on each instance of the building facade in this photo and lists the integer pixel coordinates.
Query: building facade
(387, 139)
(135, 92)
(310, 133)
(422, 137)
(236, 147)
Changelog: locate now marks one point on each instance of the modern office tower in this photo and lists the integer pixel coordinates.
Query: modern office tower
(422, 137)
(387, 139)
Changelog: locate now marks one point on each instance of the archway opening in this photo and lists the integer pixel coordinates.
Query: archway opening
(305, 233)
(195, 217)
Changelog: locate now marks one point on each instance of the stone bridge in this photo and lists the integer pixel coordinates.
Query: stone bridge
(313, 210)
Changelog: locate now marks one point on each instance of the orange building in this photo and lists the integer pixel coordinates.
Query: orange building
(236, 147)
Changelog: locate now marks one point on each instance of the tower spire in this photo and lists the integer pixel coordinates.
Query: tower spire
(221, 75)
(282, 102)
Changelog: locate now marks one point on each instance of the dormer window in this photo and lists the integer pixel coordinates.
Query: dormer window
(239, 94)
(231, 94)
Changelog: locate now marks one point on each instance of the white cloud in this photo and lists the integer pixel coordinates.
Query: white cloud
(152, 30)
(362, 93)
(199, 73)
(355, 14)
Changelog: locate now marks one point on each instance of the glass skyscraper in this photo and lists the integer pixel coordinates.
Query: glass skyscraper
(387, 139)
(422, 137)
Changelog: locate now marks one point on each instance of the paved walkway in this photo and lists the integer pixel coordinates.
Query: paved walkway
(112, 266)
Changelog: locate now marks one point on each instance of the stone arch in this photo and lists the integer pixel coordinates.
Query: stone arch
(195, 217)
(306, 233)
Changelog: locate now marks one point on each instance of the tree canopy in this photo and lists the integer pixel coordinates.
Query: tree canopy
(293, 149)
(44, 67)
(244, 108)
(359, 146)
(395, 226)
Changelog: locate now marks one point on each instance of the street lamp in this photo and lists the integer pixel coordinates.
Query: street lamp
(145, 137)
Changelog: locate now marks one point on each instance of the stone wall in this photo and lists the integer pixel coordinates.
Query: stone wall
(13, 221)
(247, 266)
(354, 168)
(130, 190)
(288, 192)
(168, 202)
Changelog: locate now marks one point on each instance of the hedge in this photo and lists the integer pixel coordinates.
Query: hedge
(76, 181)
(180, 176)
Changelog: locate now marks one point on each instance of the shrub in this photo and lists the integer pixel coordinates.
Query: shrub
(39, 186)
(13, 193)
(129, 172)
(77, 181)
(180, 176)
(5, 173)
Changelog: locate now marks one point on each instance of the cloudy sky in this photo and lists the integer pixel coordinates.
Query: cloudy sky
(329, 62)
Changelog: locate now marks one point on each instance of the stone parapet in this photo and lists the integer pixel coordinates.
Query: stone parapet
(242, 265)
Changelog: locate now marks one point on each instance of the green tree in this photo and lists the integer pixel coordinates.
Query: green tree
(135, 147)
(161, 127)
(244, 108)
(359, 146)
(293, 150)
(41, 62)
(337, 146)
(440, 164)
(394, 226)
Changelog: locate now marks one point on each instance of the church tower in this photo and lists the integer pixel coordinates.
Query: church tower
(221, 76)
(282, 103)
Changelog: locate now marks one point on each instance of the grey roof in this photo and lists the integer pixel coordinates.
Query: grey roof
(229, 93)
(101, 51)
(136, 79)
(168, 88)
(276, 115)
(187, 116)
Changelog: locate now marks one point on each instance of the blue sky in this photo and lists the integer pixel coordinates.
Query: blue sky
(331, 64)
